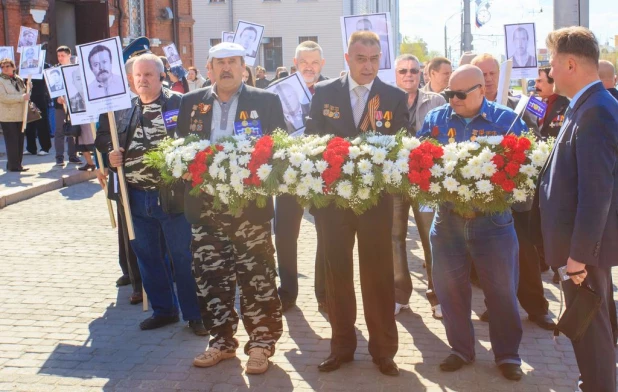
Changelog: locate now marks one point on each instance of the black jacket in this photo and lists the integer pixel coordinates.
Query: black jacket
(552, 122)
(529, 118)
(126, 123)
(270, 113)
(335, 93)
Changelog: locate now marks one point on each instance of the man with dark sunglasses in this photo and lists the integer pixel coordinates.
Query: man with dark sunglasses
(490, 240)
(408, 77)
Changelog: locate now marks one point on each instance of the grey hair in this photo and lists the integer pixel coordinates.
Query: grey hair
(150, 57)
(407, 57)
(128, 66)
(308, 46)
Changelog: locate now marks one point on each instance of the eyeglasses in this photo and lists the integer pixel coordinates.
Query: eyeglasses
(6, 66)
(413, 71)
(450, 94)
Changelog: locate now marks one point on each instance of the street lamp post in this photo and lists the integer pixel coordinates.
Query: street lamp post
(445, 32)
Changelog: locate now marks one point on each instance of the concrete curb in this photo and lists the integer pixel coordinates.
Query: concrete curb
(18, 194)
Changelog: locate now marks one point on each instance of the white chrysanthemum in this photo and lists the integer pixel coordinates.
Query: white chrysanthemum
(354, 152)
(476, 171)
(317, 150)
(367, 149)
(386, 177)
(306, 167)
(213, 170)
(538, 158)
(436, 170)
(303, 189)
(239, 188)
(379, 155)
(449, 166)
(368, 179)
(529, 170)
(222, 175)
(486, 155)
(492, 140)
(188, 154)
(348, 168)
(321, 165)
(388, 165)
(403, 153)
(484, 187)
(519, 195)
(178, 142)
(223, 188)
(209, 189)
(450, 152)
(466, 171)
(344, 189)
(283, 188)
(224, 196)
(363, 193)
(235, 179)
(410, 143)
(202, 144)
(530, 183)
(279, 154)
(289, 176)
(244, 173)
(435, 188)
(228, 146)
(488, 169)
(244, 159)
(220, 157)
(402, 165)
(364, 166)
(177, 171)
(357, 141)
(264, 171)
(544, 148)
(463, 153)
(464, 192)
(317, 184)
(297, 158)
(396, 177)
(450, 184)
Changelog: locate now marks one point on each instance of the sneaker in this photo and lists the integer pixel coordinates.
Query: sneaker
(42, 153)
(400, 307)
(212, 356)
(75, 160)
(258, 361)
(59, 162)
(437, 312)
(27, 153)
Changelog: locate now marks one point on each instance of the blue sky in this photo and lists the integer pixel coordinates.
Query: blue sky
(426, 19)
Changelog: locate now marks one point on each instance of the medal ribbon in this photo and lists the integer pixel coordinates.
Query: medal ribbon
(372, 106)
(243, 115)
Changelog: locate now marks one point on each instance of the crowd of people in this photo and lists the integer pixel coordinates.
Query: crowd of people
(191, 258)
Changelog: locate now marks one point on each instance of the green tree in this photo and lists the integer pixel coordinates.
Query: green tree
(416, 46)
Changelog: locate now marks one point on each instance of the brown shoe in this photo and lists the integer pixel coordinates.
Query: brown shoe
(258, 361)
(136, 298)
(212, 356)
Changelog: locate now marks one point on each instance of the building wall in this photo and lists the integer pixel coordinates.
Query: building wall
(288, 19)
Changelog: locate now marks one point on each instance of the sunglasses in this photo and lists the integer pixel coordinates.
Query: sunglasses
(450, 94)
(413, 71)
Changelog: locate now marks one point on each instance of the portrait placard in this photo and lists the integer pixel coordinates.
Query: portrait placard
(54, 82)
(380, 24)
(249, 36)
(105, 77)
(171, 53)
(30, 63)
(75, 96)
(227, 36)
(27, 37)
(39, 76)
(295, 99)
(6, 52)
(520, 41)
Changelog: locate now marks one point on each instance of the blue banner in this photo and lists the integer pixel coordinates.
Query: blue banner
(536, 107)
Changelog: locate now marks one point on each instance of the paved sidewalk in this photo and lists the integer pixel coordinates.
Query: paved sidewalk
(42, 177)
(66, 327)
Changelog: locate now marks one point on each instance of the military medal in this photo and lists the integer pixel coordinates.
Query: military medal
(325, 111)
(388, 115)
(474, 133)
(204, 108)
(451, 135)
(378, 117)
(254, 115)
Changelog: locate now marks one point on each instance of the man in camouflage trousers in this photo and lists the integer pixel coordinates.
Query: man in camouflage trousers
(233, 248)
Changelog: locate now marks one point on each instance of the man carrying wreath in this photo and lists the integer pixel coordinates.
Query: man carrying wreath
(229, 248)
(490, 240)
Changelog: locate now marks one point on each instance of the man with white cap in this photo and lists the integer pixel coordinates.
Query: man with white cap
(231, 248)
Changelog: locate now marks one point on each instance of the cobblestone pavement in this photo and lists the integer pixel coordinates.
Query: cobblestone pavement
(66, 327)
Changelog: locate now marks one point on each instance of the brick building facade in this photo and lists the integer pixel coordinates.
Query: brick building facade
(71, 22)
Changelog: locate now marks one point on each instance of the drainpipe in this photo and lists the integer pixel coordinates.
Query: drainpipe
(6, 23)
(230, 12)
(120, 15)
(175, 23)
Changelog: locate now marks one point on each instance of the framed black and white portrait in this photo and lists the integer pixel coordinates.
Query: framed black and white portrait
(103, 69)
(295, 99)
(171, 53)
(249, 36)
(54, 82)
(521, 44)
(75, 88)
(6, 52)
(227, 36)
(27, 37)
(30, 63)
(379, 24)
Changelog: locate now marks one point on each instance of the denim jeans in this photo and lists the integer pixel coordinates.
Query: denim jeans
(492, 244)
(156, 231)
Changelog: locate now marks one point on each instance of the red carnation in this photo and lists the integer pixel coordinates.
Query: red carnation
(512, 169)
(523, 144)
(426, 162)
(508, 185)
(519, 157)
(509, 142)
(498, 178)
(414, 176)
(498, 160)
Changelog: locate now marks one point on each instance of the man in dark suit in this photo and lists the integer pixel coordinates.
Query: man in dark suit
(556, 104)
(346, 107)
(288, 213)
(576, 204)
(231, 248)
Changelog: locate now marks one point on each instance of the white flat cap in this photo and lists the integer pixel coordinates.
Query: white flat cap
(226, 49)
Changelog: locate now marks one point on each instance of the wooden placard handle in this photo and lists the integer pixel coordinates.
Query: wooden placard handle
(25, 117)
(110, 209)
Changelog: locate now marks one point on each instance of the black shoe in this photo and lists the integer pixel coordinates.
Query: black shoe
(387, 366)
(197, 326)
(485, 316)
(334, 362)
(556, 278)
(124, 280)
(452, 363)
(511, 371)
(543, 321)
(287, 305)
(21, 169)
(87, 167)
(59, 162)
(75, 160)
(155, 322)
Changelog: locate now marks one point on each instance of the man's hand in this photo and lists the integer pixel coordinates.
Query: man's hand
(575, 266)
(26, 97)
(187, 176)
(102, 177)
(115, 157)
(61, 100)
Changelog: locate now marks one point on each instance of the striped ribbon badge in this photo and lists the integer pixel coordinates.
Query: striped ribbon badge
(372, 106)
